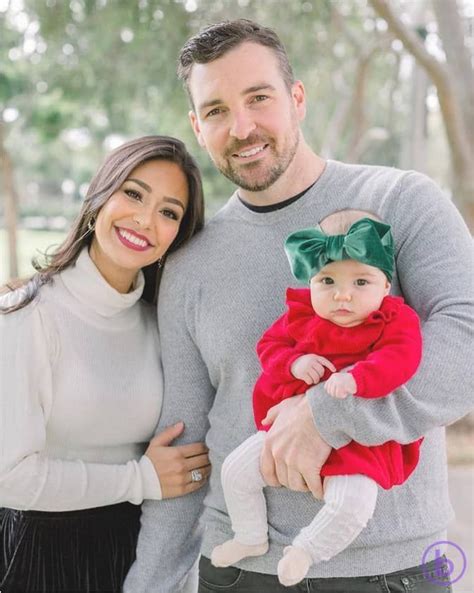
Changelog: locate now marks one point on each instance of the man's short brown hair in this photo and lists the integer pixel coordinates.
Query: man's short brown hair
(216, 40)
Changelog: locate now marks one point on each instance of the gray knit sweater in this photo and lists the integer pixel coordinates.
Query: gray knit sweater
(221, 292)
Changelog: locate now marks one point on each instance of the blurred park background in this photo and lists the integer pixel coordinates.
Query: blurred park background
(388, 83)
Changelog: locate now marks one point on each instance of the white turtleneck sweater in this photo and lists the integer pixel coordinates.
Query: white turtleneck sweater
(80, 395)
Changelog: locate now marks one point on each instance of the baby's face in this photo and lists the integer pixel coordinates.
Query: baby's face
(346, 292)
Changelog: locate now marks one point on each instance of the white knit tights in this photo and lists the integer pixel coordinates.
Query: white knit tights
(349, 504)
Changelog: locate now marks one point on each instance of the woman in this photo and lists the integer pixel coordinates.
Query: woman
(81, 384)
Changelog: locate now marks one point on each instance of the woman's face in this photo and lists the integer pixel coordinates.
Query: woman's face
(139, 222)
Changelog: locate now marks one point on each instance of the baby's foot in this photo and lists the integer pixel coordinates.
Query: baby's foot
(294, 565)
(232, 551)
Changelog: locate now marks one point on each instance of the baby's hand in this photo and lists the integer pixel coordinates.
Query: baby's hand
(340, 385)
(310, 368)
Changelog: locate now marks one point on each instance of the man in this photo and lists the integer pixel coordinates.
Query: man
(227, 287)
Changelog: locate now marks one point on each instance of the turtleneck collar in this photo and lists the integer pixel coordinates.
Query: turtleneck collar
(87, 285)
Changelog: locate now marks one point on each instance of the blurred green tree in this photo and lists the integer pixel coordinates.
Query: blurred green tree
(452, 74)
(78, 77)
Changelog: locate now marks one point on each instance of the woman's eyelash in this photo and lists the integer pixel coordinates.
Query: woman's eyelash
(136, 195)
(170, 214)
(132, 193)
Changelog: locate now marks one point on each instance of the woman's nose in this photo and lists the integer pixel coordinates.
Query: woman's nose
(143, 217)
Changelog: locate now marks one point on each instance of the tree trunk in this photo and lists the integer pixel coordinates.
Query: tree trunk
(461, 74)
(463, 194)
(462, 158)
(414, 152)
(336, 126)
(458, 58)
(10, 209)
(359, 115)
(394, 83)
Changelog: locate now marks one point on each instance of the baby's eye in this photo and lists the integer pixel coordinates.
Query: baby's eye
(361, 282)
(327, 280)
(132, 193)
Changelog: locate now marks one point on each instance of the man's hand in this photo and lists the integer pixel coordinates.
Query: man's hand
(310, 368)
(294, 452)
(340, 385)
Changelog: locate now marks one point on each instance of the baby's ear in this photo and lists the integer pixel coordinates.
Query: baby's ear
(388, 286)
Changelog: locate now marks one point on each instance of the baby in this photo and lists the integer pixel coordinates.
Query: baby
(347, 331)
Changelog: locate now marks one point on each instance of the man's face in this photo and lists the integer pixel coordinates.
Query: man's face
(245, 116)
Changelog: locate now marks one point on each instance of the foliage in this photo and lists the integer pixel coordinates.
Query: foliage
(83, 73)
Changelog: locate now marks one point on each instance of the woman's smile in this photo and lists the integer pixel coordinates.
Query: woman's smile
(132, 240)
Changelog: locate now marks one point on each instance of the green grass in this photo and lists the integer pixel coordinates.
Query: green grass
(30, 243)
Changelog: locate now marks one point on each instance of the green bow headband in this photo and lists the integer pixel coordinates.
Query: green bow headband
(367, 241)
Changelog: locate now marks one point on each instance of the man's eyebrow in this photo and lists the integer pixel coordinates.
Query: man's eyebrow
(258, 87)
(251, 89)
(211, 103)
(140, 183)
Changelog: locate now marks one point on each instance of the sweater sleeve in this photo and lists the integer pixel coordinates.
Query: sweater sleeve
(276, 351)
(395, 357)
(170, 538)
(435, 270)
(29, 479)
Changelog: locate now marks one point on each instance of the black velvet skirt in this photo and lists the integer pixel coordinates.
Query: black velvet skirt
(68, 552)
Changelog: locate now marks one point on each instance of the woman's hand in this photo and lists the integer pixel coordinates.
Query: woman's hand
(175, 464)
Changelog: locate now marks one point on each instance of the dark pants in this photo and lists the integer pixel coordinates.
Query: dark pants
(70, 552)
(411, 580)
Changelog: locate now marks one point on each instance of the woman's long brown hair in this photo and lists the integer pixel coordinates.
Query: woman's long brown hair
(109, 178)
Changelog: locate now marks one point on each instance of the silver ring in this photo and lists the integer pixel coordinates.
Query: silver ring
(196, 475)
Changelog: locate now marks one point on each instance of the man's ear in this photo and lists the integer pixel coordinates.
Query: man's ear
(196, 129)
(298, 95)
